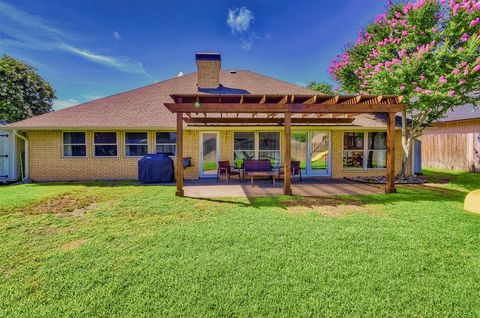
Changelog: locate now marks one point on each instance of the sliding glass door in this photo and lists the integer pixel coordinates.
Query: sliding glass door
(209, 154)
(319, 153)
(312, 149)
(300, 149)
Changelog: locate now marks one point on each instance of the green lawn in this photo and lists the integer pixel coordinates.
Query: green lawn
(210, 166)
(117, 249)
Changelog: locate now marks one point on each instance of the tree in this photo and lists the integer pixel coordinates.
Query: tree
(427, 51)
(23, 93)
(322, 87)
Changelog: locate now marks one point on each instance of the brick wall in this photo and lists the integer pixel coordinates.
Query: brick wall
(208, 73)
(46, 161)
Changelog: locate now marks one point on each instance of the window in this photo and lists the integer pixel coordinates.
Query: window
(261, 145)
(166, 142)
(377, 150)
(243, 147)
(136, 144)
(269, 146)
(364, 150)
(74, 144)
(353, 148)
(105, 144)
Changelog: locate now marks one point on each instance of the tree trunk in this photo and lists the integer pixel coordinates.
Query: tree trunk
(406, 145)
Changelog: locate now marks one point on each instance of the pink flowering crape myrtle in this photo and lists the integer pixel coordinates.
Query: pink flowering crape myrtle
(425, 50)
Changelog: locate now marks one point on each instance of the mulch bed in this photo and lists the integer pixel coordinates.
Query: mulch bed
(382, 180)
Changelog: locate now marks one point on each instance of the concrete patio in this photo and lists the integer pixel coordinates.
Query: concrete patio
(312, 187)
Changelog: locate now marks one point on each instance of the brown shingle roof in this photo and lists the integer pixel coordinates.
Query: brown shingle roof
(463, 112)
(143, 107)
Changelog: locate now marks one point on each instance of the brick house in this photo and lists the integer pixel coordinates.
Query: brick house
(103, 139)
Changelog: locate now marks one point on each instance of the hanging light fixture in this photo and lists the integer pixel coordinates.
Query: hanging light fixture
(197, 102)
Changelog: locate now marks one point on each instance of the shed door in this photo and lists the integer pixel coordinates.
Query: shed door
(3, 156)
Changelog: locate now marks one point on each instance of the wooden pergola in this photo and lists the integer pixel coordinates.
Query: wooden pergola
(283, 110)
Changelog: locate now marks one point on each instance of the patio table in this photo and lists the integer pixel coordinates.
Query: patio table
(272, 174)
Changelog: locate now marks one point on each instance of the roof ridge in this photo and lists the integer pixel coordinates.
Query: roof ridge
(171, 79)
(121, 93)
(283, 81)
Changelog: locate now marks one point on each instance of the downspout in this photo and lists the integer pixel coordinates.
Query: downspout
(25, 178)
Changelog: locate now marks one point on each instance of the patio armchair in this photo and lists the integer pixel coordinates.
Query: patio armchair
(224, 168)
(295, 170)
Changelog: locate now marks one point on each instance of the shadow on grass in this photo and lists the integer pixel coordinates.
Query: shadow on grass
(467, 180)
(410, 193)
(448, 186)
(100, 183)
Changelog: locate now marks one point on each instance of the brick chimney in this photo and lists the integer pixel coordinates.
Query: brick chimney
(208, 70)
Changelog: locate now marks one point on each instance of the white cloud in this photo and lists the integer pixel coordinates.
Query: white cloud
(26, 31)
(64, 103)
(303, 84)
(246, 42)
(89, 97)
(239, 20)
(120, 63)
(117, 36)
(180, 74)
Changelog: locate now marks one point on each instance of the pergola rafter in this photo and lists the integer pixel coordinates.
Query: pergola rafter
(284, 110)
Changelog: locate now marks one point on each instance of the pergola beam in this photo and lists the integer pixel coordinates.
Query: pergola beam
(332, 100)
(279, 121)
(282, 108)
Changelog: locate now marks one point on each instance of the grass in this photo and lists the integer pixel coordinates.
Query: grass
(320, 164)
(118, 249)
(210, 166)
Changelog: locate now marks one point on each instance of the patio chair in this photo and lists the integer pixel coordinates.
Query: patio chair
(295, 170)
(224, 168)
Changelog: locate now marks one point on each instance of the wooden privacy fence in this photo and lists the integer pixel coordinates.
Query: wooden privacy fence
(452, 151)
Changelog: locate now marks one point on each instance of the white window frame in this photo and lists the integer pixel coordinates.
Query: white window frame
(104, 144)
(257, 143)
(129, 144)
(65, 144)
(166, 144)
(257, 148)
(365, 150)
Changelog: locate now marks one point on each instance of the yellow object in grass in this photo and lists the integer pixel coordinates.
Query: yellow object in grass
(472, 201)
(320, 155)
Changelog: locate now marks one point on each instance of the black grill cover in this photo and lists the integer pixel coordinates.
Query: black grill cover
(154, 168)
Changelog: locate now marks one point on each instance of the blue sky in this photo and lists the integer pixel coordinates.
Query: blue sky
(91, 49)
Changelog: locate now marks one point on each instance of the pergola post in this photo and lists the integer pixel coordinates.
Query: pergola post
(287, 190)
(179, 165)
(390, 184)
